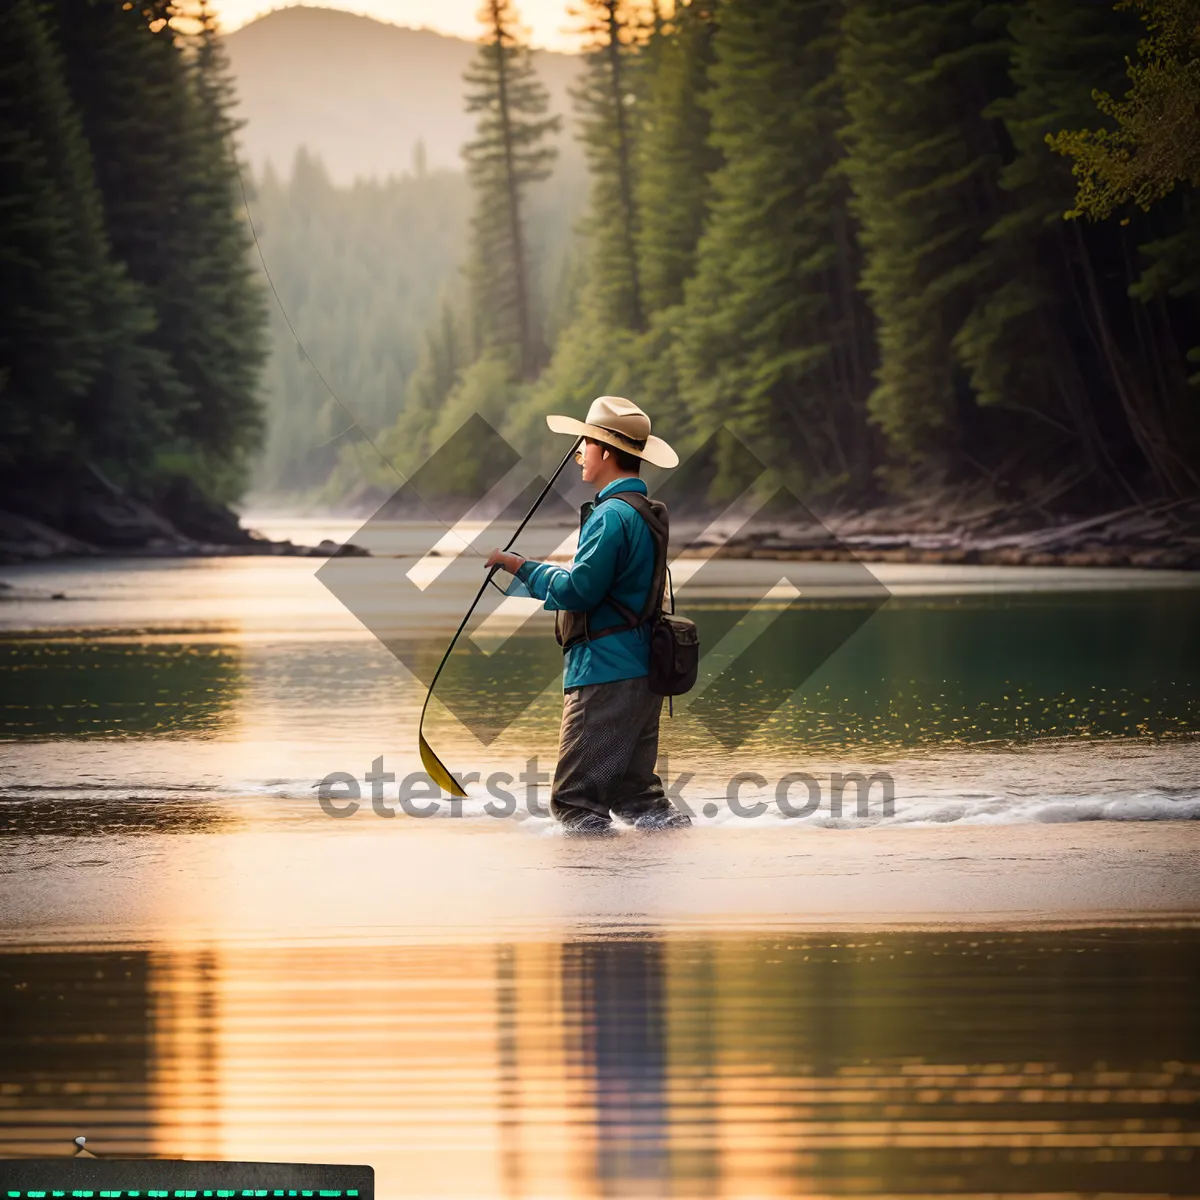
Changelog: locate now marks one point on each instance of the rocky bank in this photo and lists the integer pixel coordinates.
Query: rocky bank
(85, 514)
(81, 513)
(949, 529)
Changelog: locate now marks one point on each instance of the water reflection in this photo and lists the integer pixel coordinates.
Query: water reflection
(77, 1049)
(862, 1064)
(614, 999)
(919, 673)
(271, 691)
(95, 687)
(38, 809)
(970, 670)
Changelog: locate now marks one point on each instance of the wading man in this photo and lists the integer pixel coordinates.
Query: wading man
(604, 603)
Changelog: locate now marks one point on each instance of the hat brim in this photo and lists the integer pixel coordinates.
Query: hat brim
(656, 452)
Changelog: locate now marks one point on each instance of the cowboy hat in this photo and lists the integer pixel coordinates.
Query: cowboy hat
(618, 422)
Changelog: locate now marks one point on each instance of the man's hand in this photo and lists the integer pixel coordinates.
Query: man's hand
(510, 562)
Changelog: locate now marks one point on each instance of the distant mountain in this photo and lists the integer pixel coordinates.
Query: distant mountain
(360, 93)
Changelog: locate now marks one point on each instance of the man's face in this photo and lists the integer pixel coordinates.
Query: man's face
(590, 457)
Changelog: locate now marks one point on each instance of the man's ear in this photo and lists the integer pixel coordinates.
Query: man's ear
(606, 454)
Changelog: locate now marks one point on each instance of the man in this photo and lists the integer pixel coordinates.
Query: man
(608, 742)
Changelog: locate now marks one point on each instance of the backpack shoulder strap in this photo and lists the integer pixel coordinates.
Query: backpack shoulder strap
(654, 511)
(655, 514)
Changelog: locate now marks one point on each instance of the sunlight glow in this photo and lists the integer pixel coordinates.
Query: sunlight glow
(549, 23)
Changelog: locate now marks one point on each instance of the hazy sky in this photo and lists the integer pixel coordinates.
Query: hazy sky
(547, 20)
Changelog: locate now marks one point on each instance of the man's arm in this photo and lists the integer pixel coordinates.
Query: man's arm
(583, 585)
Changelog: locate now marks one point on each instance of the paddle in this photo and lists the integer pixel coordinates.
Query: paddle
(438, 771)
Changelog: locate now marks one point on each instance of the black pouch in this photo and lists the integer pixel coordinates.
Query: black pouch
(674, 655)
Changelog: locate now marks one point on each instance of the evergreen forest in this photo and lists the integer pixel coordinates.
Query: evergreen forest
(134, 324)
(371, 278)
(895, 246)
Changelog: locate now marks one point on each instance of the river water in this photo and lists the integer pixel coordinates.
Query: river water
(981, 981)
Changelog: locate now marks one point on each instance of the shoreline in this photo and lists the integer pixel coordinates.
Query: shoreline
(1052, 546)
(84, 514)
(1164, 536)
(95, 519)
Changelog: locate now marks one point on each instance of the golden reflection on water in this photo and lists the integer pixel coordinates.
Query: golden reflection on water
(919, 675)
(865, 1064)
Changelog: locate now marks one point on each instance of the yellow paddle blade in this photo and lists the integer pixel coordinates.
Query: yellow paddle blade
(438, 771)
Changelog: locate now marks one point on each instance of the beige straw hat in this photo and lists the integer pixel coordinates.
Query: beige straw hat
(618, 422)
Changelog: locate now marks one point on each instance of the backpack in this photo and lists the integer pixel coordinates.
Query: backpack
(674, 640)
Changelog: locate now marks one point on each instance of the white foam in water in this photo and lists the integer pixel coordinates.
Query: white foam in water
(919, 808)
(914, 807)
(256, 776)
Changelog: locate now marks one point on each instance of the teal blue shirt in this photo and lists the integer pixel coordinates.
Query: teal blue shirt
(615, 554)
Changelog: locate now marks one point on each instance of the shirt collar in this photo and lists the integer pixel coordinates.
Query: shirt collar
(623, 483)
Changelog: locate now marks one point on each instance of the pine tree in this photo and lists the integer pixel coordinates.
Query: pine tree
(508, 154)
(81, 380)
(227, 424)
(158, 127)
(1027, 342)
(607, 107)
(1145, 146)
(923, 164)
(130, 87)
(49, 348)
(675, 153)
(775, 339)
(1155, 142)
(1056, 340)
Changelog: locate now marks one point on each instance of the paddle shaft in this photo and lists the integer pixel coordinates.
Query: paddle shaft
(488, 577)
(557, 472)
